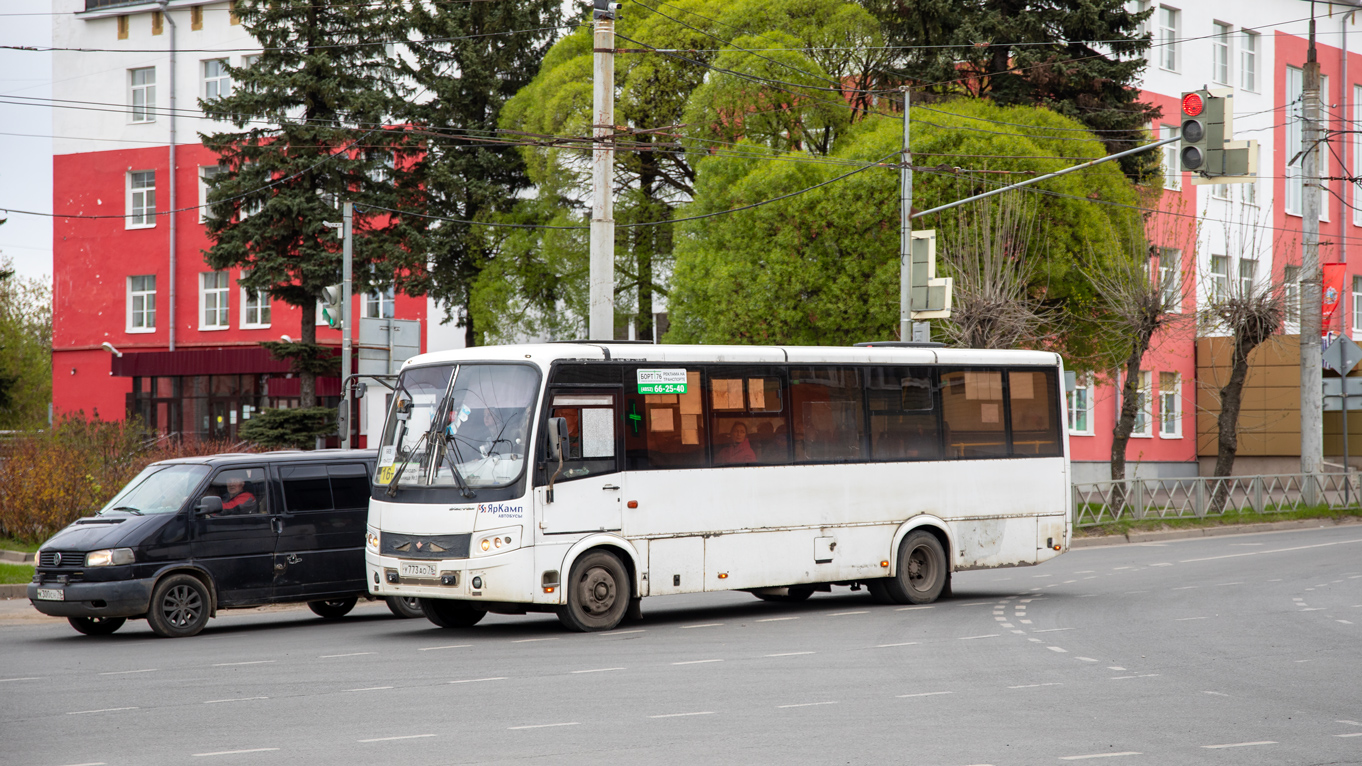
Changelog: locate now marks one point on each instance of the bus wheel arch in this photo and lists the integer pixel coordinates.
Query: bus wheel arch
(598, 592)
(926, 542)
(620, 547)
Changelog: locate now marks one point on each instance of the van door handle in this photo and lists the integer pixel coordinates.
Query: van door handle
(609, 487)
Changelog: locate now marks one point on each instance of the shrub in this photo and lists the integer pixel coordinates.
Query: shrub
(297, 428)
(48, 479)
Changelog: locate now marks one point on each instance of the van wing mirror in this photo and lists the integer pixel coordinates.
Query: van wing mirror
(210, 504)
(557, 433)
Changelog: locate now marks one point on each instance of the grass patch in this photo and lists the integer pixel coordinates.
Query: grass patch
(10, 544)
(15, 573)
(1126, 526)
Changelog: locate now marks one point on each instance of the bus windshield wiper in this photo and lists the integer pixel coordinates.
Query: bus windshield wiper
(391, 491)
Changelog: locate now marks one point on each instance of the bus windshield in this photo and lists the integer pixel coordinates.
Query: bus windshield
(458, 425)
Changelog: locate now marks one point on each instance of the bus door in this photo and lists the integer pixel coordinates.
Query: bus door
(588, 489)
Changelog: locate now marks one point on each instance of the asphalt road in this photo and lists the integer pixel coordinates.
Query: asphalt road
(1230, 650)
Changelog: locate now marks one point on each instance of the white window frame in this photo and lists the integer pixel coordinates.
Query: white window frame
(1170, 427)
(1291, 287)
(215, 82)
(1172, 170)
(1245, 282)
(140, 205)
(214, 301)
(142, 96)
(1248, 61)
(1357, 304)
(376, 302)
(1221, 52)
(1170, 278)
(1220, 280)
(1357, 150)
(1170, 58)
(145, 312)
(1250, 189)
(1144, 413)
(206, 172)
(257, 301)
(1295, 83)
(1220, 191)
(1078, 402)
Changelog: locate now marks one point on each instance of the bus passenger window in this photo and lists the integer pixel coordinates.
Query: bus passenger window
(664, 431)
(591, 433)
(902, 414)
(829, 421)
(748, 407)
(972, 406)
(1032, 395)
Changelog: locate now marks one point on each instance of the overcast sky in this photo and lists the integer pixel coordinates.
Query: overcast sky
(25, 137)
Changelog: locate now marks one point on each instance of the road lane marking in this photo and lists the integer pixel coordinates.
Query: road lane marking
(352, 654)
(1066, 582)
(478, 680)
(1345, 622)
(1051, 630)
(1218, 694)
(1350, 723)
(844, 614)
(1162, 564)
(922, 694)
(1142, 675)
(1098, 755)
(1188, 587)
(1085, 571)
(788, 654)
(95, 763)
(368, 689)
(777, 619)
(542, 726)
(905, 643)
(1185, 619)
(390, 739)
(1275, 550)
(1022, 632)
(1057, 649)
(449, 646)
(532, 640)
(125, 672)
(807, 704)
(682, 715)
(971, 638)
(1239, 744)
(1035, 686)
(1219, 584)
(910, 608)
(1354, 734)
(596, 670)
(622, 632)
(695, 662)
(1115, 667)
(103, 710)
(1085, 659)
(1008, 625)
(237, 752)
(1024, 622)
(702, 625)
(237, 699)
(983, 603)
(231, 664)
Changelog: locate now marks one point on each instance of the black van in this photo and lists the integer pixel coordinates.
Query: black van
(190, 536)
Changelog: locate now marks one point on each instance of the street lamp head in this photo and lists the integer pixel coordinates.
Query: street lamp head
(285, 339)
(107, 346)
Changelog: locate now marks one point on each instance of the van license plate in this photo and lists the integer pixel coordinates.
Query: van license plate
(51, 594)
(411, 569)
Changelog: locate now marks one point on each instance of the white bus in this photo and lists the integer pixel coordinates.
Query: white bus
(577, 478)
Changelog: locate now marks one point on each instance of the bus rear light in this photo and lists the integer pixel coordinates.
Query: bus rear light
(884, 564)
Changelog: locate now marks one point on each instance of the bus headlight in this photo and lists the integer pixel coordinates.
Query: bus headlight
(371, 540)
(497, 541)
(109, 557)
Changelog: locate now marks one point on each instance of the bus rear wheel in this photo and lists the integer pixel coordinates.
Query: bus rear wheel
(921, 574)
(451, 614)
(598, 593)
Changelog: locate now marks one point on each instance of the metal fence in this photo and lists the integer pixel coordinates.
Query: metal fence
(1197, 498)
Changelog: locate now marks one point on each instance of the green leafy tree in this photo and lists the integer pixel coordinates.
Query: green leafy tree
(1030, 52)
(25, 350)
(311, 114)
(466, 60)
(822, 267)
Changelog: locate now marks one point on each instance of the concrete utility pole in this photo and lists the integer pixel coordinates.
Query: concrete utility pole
(1312, 374)
(347, 274)
(905, 228)
(601, 324)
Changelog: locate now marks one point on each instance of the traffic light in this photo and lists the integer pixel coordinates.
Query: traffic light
(1203, 132)
(332, 306)
(603, 9)
(930, 297)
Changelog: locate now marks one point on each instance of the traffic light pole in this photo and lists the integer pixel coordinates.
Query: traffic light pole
(1312, 372)
(347, 273)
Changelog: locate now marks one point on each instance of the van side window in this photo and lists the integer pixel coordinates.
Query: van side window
(1032, 395)
(306, 488)
(903, 412)
(243, 491)
(349, 485)
(748, 412)
(829, 417)
(972, 406)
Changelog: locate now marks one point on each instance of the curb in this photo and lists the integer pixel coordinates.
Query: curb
(16, 590)
(1184, 534)
(16, 557)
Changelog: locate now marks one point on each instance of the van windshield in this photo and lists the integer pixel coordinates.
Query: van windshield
(464, 426)
(158, 489)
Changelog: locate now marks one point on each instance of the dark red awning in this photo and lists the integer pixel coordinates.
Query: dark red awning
(198, 361)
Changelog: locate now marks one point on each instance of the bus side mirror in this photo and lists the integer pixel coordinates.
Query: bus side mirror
(210, 504)
(557, 432)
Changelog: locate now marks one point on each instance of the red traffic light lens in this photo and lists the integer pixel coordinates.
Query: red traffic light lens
(1191, 104)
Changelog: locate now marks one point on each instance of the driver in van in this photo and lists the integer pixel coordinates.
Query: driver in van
(238, 501)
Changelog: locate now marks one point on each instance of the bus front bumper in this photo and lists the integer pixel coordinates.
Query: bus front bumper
(499, 577)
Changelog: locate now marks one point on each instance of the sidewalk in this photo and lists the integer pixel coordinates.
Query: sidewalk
(1228, 529)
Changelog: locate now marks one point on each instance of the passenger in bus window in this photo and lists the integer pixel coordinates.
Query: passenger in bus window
(739, 450)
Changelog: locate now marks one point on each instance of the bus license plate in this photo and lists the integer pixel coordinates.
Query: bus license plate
(412, 569)
(51, 594)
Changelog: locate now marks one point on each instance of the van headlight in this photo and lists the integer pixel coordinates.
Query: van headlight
(371, 540)
(109, 557)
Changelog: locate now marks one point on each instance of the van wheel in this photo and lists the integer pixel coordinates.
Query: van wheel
(333, 609)
(96, 626)
(922, 570)
(790, 596)
(405, 607)
(179, 607)
(598, 593)
(451, 614)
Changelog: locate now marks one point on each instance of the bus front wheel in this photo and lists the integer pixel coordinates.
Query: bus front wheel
(598, 593)
(451, 614)
(921, 574)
